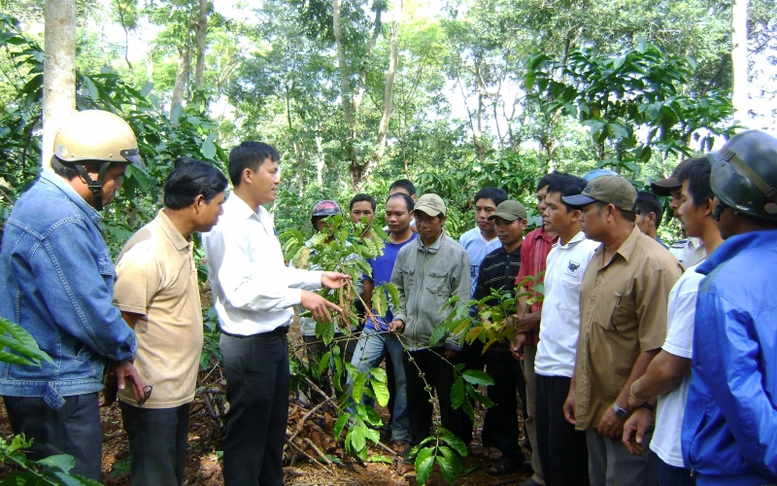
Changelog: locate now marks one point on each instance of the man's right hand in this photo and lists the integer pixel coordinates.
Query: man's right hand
(569, 407)
(396, 326)
(126, 372)
(318, 306)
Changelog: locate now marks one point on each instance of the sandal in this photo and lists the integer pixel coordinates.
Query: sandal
(402, 448)
(505, 466)
(491, 453)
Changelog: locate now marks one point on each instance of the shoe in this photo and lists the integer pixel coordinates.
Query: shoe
(505, 466)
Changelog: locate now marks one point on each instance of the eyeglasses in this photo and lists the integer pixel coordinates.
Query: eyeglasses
(147, 392)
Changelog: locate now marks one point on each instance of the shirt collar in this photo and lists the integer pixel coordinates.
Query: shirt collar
(580, 236)
(61, 184)
(434, 246)
(172, 233)
(627, 247)
(239, 209)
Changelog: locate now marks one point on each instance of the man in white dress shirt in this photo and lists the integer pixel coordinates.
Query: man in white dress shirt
(254, 293)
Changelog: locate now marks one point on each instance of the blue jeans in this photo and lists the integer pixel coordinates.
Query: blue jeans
(157, 439)
(371, 348)
(73, 429)
(674, 476)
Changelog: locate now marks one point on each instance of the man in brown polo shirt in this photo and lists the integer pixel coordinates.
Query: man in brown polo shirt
(623, 303)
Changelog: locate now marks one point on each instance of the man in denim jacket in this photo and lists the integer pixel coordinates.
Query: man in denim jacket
(56, 281)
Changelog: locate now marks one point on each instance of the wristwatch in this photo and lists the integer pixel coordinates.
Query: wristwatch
(621, 413)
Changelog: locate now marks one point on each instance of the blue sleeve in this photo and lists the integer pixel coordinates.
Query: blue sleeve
(731, 363)
(75, 275)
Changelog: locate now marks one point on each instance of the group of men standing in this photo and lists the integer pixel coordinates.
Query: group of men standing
(622, 329)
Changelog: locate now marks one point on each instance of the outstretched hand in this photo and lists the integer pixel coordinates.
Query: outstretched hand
(317, 305)
(334, 280)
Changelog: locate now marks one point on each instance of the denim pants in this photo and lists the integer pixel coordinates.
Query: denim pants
(257, 370)
(72, 429)
(371, 348)
(157, 439)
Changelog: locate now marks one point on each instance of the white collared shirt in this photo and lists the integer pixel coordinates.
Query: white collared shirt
(253, 290)
(560, 328)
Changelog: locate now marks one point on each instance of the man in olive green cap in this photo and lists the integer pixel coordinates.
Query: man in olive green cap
(498, 271)
(623, 302)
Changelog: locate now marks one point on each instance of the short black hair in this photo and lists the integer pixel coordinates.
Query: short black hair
(190, 178)
(68, 170)
(647, 203)
(567, 185)
(362, 197)
(627, 215)
(403, 184)
(697, 171)
(249, 155)
(495, 194)
(408, 200)
(548, 178)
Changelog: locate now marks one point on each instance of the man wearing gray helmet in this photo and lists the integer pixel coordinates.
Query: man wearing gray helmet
(731, 419)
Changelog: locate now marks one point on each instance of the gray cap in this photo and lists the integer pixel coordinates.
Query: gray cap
(613, 190)
(431, 204)
(509, 211)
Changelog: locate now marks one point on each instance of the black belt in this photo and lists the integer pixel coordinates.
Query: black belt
(278, 331)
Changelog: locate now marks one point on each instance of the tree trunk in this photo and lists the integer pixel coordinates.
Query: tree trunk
(182, 77)
(345, 84)
(388, 103)
(739, 59)
(59, 71)
(202, 30)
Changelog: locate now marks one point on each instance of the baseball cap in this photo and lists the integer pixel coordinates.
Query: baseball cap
(431, 204)
(613, 190)
(664, 186)
(509, 211)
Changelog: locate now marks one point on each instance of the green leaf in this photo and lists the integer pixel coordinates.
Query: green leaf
(340, 423)
(457, 392)
(457, 444)
(423, 464)
(61, 461)
(447, 469)
(477, 377)
(381, 458)
(358, 440)
(453, 459)
(439, 333)
(323, 364)
(22, 342)
(393, 292)
(357, 391)
(208, 147)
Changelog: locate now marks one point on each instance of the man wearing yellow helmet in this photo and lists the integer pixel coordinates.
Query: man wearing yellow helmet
(57, 283)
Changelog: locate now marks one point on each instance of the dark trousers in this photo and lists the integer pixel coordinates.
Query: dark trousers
(563, 450)
(257, 370)
(157, 439)
(674, 476)
(500, 426)
(72, 429)
(439, 375)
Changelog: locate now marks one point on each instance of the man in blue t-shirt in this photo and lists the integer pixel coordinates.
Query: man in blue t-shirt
(376, 342)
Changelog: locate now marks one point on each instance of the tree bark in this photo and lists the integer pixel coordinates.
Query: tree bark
(182, 77)
(739, 95)
(59, 71)
(345, 84)
(202, 30)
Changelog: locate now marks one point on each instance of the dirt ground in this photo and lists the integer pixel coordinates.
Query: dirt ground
(203, 466)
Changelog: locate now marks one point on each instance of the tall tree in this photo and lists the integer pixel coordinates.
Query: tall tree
(59, 70)
(740, 80)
